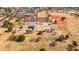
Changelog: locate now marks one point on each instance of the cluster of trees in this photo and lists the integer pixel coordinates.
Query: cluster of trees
(8, 25)
(72, 46)
(62, 37)
(19, 38)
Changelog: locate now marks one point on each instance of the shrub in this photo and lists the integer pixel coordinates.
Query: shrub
(76, 49)
(67, 36)
(62, 19)
(40, 32)
(9, 29)
(21, 38)
(61, 38)
(42, 49)
(13, 32)
(75, 43)
(6, 23)
(52, 44)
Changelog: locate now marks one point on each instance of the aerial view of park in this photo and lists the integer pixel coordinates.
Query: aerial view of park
(39, 29)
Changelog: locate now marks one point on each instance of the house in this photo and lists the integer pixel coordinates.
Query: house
(42, 14)
(31, 25)
(58, 19)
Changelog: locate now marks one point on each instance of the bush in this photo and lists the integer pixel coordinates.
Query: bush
(5, 23)
(76, 49)
(21, 38)
(75, 43)
(11, 38)
(13, 32)
(40, 32)
(42, 49)
(52, 44)
(28, 31)
(61, 38)
(55, 22)
(62, 19)
(37, 39)
(67, 36)
(8, 25)
(70, 47)
(9, 29)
